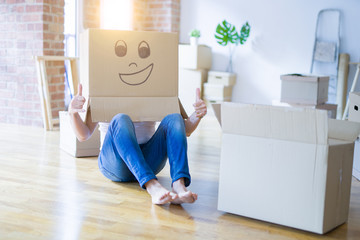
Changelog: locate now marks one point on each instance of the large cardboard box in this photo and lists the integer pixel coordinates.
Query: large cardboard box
(354, 106)
(195, 57)
(304, 89)
(129, 72)
(70, 144)
(290, 166)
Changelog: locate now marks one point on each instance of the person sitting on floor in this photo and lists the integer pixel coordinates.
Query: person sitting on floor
(137, 151)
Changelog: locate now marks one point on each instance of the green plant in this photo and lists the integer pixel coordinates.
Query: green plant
(195, 33)
(226, 33)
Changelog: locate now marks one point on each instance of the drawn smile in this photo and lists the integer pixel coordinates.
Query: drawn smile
(137, 78)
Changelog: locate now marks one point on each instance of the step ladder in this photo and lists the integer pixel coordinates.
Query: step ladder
(325, 57)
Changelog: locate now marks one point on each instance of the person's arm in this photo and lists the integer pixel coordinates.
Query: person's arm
(193, 121)
(82, 130)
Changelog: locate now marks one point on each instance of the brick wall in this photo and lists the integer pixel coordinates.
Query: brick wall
(91, 14)
(53, 45)
(157, 15)
(29, 28)
(35, 27)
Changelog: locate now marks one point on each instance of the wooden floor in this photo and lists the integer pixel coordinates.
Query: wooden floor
(47, 194)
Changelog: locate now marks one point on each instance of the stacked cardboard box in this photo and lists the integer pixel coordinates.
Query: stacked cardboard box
(310, 91)
(354, 115)
(290, 166)
(189, 80)
(194, 57)
(70, 144)
(194, 64)
(219, 86)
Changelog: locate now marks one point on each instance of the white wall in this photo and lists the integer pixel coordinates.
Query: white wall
(281, 39)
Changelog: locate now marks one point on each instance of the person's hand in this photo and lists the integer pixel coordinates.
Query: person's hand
(199, 105)
(77, 103)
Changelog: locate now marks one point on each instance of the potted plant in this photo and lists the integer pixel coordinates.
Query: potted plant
(226, 34)
(194, 36)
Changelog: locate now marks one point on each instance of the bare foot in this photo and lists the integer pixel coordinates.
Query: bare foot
(184, 196)
(159, 194)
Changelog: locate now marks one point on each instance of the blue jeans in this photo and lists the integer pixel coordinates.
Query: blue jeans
(122, 159)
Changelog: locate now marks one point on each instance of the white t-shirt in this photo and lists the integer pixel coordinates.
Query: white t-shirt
(143, 130)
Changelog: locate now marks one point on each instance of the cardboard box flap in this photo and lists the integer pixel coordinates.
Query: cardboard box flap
(354, 107)
(295, 124)
(183, 111)
(103, 109)
(354, 95)
(303, 77)
(217, 110)
(115, 63)
(222, 74)
(343, 130)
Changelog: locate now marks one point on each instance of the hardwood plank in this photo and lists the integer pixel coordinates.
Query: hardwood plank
(47, 194)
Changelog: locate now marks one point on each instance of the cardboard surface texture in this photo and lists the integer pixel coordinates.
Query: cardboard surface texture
(304, 89)
(70, 144)
(354, 106)
(330, 108)
(224, 78)
(354, 115)
(356, 168)
(189, 80)
(195, 57)
(290, 166)
(129, 72)
(217, 92)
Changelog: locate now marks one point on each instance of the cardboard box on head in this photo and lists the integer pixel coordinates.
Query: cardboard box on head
(130, 72)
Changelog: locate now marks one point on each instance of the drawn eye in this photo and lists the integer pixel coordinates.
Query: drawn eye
(120, 48)
(144, 49)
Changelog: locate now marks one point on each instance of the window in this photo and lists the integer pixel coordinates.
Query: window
(70, 38)
(70, 28)
(116, 14)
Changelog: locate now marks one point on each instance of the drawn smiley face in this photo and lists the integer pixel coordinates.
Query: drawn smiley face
(134, 76)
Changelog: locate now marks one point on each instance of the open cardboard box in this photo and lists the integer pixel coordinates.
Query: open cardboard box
(129, 72)
(70, 144)
(354, 115)
(290, 166)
